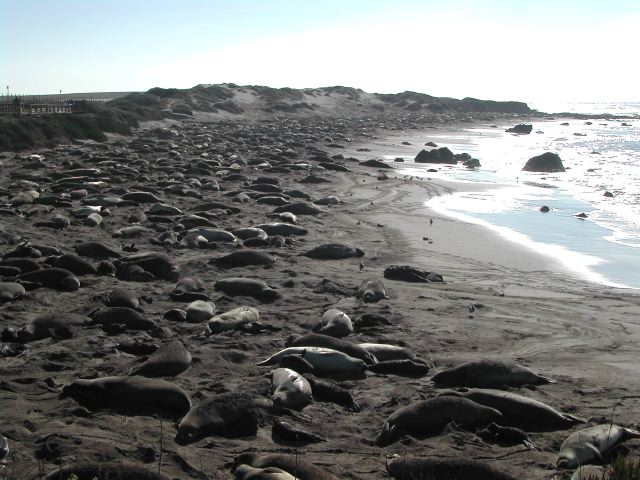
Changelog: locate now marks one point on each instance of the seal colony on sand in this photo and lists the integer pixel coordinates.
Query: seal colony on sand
(240, 242)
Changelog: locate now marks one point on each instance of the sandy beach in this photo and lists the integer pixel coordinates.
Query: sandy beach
(583, 335)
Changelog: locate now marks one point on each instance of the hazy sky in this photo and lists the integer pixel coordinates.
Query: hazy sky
(529, 50)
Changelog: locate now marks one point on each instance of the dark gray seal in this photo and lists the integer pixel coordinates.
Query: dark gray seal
(74, 263)
(333, 251)
(121, 297)
(489, 374)
(328, 391)
(407, 273)
(299, 208)
(130, 395)
(290, 433)
(105, 471)
(169, 360)
(429, 416)
(411, 468)
(160, 265)
(243, 258)
(320, 340)
(132, 319)
(189, 289)
(97, 250)
(400, 367)
(284, 229)
(371, 291)
(52, 325)
(248, 287)
(54, 278)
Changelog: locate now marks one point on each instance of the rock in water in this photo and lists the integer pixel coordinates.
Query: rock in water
(521, 128)
(547, 162)
(439, 155)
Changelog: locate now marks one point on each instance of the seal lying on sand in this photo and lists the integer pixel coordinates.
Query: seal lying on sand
(325, 361)
(132, 319)
(519, 410)
(104, 471)
(243, 258)
(52, 325)
(344, 346)
(248, 287)
(489, 374)
(159, 265)
(10, 291)
(130, 395)
(286, 431)
(410, 468)
(289, 388)
(371, 290)
(333, 251)
(303, 470)
(232, 320)
(385, 352)
(590, 444)
(55, 278)
(227, 414)
(428, 416)
(169, 360)
(97, 250)
(335, 323)
(247, 472)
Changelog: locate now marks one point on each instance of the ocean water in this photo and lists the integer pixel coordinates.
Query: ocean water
(600, 155)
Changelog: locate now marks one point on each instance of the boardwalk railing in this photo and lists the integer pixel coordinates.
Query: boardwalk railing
(37, 104)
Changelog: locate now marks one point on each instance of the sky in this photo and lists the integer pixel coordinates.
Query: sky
(529, 50)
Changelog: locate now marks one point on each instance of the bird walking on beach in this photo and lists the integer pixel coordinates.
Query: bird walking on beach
(472, 308)
(4, 448)
(361, 266)
(431, 221)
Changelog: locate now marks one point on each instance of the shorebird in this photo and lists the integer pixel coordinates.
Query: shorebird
(472, 308)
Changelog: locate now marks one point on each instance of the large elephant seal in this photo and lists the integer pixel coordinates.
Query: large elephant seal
(334, 251)
(301, 469)
(328, 391)
(284, 229)
(232, 320)
(400, 367)
(97, 250)
(52, 325)
(519, 410)
(428, 416)
(169, 360)
(227, 414)
(412, 468)
(244, 258)
(325, 361)
(489, 374)
(54, 278)
(299, 208)
(290, 433)
(200, 311)
(589, 444)
(289, 389)
(159, 265)
(385, 352)
(121, 297)
(371, 291)
(104, 471)
(10, 291)
(249, 287)
(132, 319)
(247, 472)
(319, 340)
(335, 323)
(74, 263)
(130, 395)
(189, 289)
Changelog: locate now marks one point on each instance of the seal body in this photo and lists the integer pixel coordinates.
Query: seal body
(55, 278)
(489, 374)
(287, 229)
(159, 265)
(431, 415)
(325, 361)
(320, 340)
(409, 468)
(132, 319)
(247, 287)
(371, 290)
(301, 469)
(243, 258)
(56, 325)
(589, 444)
(247, 472)
(335, 323)
(334, 251)
(289, 389)
(385, 352)
(233, 319)
(169, 360)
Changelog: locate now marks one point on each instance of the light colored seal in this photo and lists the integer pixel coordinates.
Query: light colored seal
(243, 258)
(250, 287)
(11, 291)
(325, 361)
(371, 291)
(489, 374)
(335, 323)
(589, 444)
(200, 311)
(385, 352)
(301, 469)
(289, 389)
(428, 416)
(344, 346)
(519, 410)
(246, 472)
(232, 320)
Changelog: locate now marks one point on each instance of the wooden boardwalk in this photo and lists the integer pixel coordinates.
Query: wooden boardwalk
(45, 104)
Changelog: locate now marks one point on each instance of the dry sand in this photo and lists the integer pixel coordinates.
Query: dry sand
(583, 335)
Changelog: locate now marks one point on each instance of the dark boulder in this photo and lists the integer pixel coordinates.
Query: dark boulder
(375, 164)
(544, 209)
(521, 128)
(547, 162)
(472, 163)
(439, 155)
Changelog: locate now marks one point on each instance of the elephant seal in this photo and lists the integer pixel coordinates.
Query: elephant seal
(299, 208)
(55, 278)
(371, 291)
(590, 472)
(97, 250)
(209, 234)
(137, 347)
(328, 391)
(489, 374)
(325, 361)
(189, 289)
(283, 229)
(105, 471)
(507, 436)
(406, 273)
(519, 410)
(169, 360)
(141, 197)
(320, 340)
(243, 258)
(400, 367)
(247, 472)
(286, 431)
(121, 297)
(130, 395)
(427, 416)
(159, 265)
(52, 325)
(250, 232)
(75, 264)
(132, 319)
(412, 468)
(385, 352)
(335, 323)
(200, 311)
(10, 291)
(301, 469)
(24, 265)
(133, 231)
(232, 320)
(247, 287)
(333, 251)
(227, 414)
(289, 389)
(589, 444)
(297, 364)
